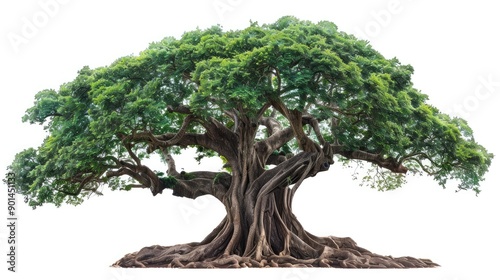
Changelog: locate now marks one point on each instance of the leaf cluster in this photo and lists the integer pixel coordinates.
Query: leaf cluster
(362, 101)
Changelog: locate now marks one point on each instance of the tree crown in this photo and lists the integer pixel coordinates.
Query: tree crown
(301, 84)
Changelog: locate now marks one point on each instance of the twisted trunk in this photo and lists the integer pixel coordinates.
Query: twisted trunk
(260, 229)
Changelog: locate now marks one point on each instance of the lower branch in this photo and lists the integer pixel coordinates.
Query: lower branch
(195, 184)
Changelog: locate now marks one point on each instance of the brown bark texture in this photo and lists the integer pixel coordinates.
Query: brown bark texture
(260, 229)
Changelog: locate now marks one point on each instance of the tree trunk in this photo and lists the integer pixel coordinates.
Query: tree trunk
(260, 229)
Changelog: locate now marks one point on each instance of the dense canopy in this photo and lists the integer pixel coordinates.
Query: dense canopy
(269, 100)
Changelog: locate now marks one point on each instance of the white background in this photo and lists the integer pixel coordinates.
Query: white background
(452, 45)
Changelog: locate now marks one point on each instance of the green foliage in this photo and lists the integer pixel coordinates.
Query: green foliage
(363, 102)
(168, 181)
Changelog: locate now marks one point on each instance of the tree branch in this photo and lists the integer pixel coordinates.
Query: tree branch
(234, 116)
(314, 123)
(142, 174)
(181, 109)
(195, 184)
(137, 186)
(218, 143)
(190, 185)
(276, 159)
(388, 163)
(272, 125)
(263, 110)
(83, 179)
(278, 139)
(128, 146)
(155, 143)
(296, 122)
(419, 154)
(424, 168)
(185, 124)
(126, 171)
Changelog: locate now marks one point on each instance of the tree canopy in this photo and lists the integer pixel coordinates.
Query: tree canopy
(303, 86)
(278, 103)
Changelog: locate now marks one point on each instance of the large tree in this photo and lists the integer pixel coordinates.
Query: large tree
(278, 103)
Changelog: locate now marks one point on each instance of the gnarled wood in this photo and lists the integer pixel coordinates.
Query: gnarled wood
(260, 229)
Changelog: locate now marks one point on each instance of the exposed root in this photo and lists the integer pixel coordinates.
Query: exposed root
(260, 230)
(192, 256)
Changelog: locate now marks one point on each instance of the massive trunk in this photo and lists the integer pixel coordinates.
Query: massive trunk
(260, 229)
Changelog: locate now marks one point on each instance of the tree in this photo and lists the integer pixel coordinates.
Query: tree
(278, 103)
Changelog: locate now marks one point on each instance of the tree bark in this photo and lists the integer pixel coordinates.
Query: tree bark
(260, 229)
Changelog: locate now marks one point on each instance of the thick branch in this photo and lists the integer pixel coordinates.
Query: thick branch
(286, 173)
(140, 173)
(279, 137)
(126, 171)
(224, 145)
(155, 143)
(190, 185)
(388, 163)
(272, 125)
(128, 146)
(276, 159)
(266, 148)
(195, 184)
(296, 123)
(181, 109)
(174, 140)
(220, 143)
(217, 136)
(314, 123)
